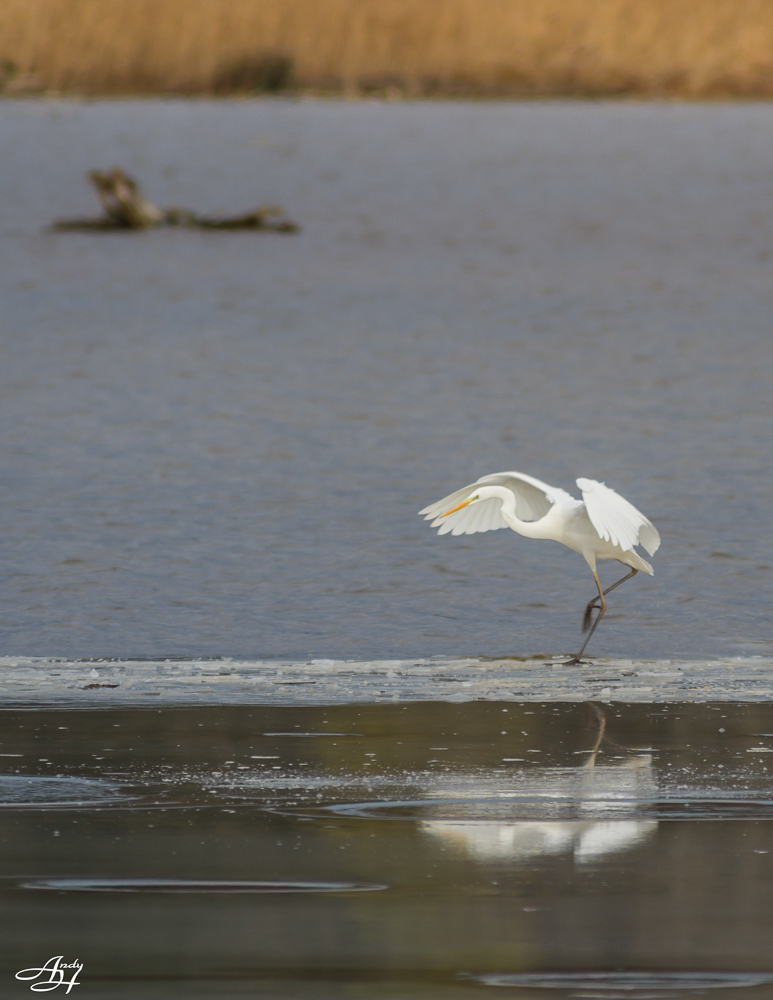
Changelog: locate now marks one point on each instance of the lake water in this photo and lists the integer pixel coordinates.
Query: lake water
(418, 852)
(216, 444)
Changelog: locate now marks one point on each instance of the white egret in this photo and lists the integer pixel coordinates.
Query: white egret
(603, 525)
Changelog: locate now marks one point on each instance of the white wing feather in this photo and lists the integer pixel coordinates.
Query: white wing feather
(615, 519)
(533, 499)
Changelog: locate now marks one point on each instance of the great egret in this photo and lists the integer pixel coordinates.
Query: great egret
(603, 525)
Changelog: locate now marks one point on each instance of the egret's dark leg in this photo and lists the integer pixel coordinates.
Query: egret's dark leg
(602, 612)
(592, 604)
(602, 720)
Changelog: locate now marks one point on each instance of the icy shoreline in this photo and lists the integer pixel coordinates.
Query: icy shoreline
(39, 682)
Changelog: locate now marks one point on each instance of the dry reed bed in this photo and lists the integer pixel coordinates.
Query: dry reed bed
(691, 48)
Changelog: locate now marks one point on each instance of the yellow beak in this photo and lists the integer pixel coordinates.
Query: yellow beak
(458, 507)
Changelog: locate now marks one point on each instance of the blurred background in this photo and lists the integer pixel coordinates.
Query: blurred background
(216, 443)
(581, 48)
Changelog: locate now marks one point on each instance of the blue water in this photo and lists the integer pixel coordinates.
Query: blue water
(216, 444)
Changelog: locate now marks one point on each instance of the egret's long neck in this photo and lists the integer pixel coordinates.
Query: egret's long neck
(531, 529)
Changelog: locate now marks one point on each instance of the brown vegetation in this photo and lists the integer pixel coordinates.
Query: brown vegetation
(691, 48)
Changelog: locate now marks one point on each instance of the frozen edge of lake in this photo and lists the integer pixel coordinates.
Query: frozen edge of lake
(51, 682)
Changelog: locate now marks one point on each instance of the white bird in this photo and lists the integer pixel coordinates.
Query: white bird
(603, 525)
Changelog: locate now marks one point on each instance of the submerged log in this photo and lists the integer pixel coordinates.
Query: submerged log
(265, 217)
(125, 207)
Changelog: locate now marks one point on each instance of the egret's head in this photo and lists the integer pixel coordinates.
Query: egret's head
(480, 494)
(464, 503)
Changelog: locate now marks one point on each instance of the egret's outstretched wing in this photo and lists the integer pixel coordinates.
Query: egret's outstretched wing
(533, 499)
(617, 520)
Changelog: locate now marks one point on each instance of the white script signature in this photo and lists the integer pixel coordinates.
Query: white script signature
(56, 969)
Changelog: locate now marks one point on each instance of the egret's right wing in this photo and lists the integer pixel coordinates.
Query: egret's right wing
(616, 519)
(533, 499)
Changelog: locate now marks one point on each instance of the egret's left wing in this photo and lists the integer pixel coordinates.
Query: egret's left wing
(615, 519)
(533, 500)
(483, 516)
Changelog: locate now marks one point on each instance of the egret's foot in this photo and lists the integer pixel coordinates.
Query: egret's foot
(592, 606)
(573, 662)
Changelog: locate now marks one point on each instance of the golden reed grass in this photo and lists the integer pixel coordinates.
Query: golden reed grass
(690, 48)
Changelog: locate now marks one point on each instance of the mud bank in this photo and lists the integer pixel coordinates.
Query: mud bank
(90, 683)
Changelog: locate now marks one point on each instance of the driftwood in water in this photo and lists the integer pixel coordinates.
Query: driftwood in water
(126, 208)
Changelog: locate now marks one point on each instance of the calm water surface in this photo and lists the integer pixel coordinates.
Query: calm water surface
(215, 444)
(421, 851)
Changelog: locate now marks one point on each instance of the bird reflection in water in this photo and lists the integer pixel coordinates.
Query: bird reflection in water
(606, 802)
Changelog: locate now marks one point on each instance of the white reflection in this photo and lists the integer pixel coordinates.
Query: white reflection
(529, 839)
(609, 798)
